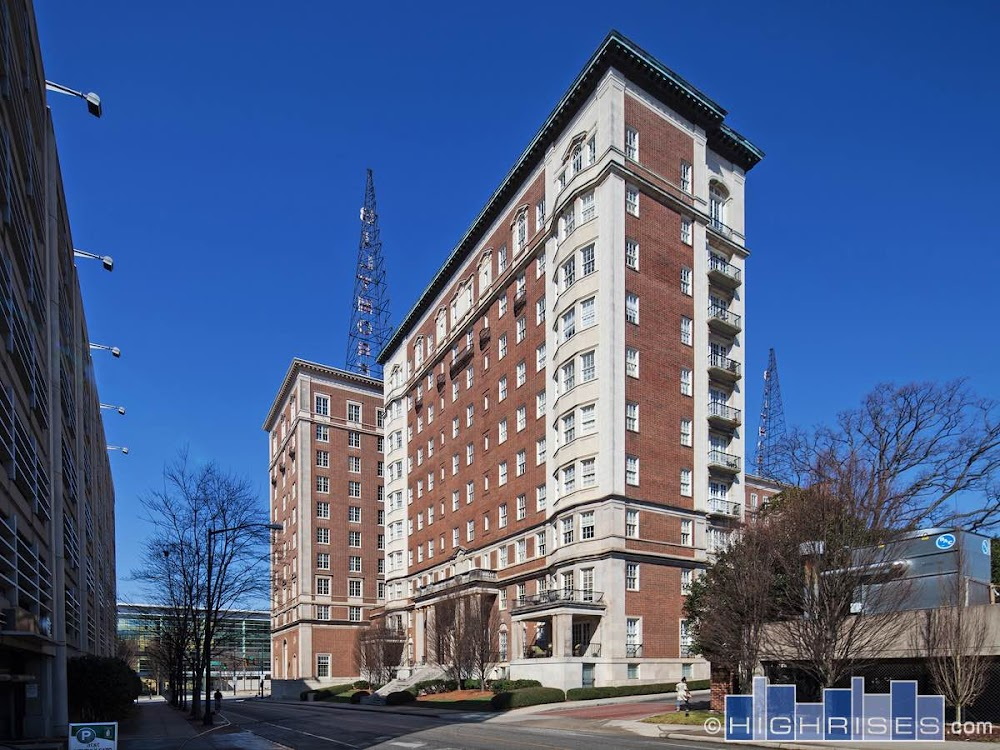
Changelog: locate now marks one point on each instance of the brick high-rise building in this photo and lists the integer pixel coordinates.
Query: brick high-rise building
(325, 468)
(564, 403)
(57, 499)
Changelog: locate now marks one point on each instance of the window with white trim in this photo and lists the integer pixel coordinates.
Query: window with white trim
(353, 514)
(521, 463)
(323, 660)
(502, 431)
(686, 230)
(588, 367)
(540, 497)
(685, 177)
(631, 576)
(686, 278)
(539, 214)
(323, 459)
(322, 406)
(322, 586)
(631, 254)
(354, 464)
(686, 582)
(540, 311)
(502, 388)
(686, 387)
(522, 329)
(632, 200)
(686, 482)
(632, 144)
(568, 376)
(588, 419)
(323, 484)
(588, 472)
(567, 534)
(631, 362)
(568, 423)
(520, 418)
(539, 357)
(568, 324)
(353, 412)
(322, 613)
(589, 207)
(323, 433)
(354, 587)
(502, 472)
(502, 522)
(502, 346)
(587, 527)
(322, 536)
(520, 374)
(540, 545)
(632, 308)
(470, 453)
(588, 312)
(470, 530)
(632, 470)
(632, 416)
(632, 524)
(322, 510)
(686, 432)
(687, 533)
(354, 614)
(569, 479)
(539, 451)
(567, 274)
(353, 489)
(686, 330)
(539, 404)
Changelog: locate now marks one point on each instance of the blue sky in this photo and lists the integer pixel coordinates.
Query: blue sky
(226, 175)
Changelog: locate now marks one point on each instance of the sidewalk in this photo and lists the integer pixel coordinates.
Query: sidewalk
(156, 725)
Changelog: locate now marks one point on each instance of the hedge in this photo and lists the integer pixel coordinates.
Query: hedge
(591, 693)
(506, 686)
(326, 693)
(531, 696)
(399, 697)
(100, 687)
(356, 697)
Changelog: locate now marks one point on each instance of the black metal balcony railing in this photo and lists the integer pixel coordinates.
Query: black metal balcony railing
(723, 229)
(723, 411)
(586, 649)
(460, 361)
(724, 460)
(544, 650)
(722, 362)
(633, 650)
(537, 651)
(725, 316)
(720, 266)
(560, 596)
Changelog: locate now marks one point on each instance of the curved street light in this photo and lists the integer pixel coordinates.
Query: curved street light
(209, 628)
(115, 351)
(107, 260)
(119, 409)
(122, 448)
(92, 99)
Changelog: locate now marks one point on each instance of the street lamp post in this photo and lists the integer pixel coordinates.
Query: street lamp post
(119, 409)
(115, 351)
(122, 448)
(106, 260)
(208, 606)
(92, 99)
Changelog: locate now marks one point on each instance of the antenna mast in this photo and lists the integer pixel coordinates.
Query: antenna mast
(370, 330)
(771, 431)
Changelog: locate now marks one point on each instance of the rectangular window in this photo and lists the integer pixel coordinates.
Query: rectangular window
(354, 489)
(569, 428)
(502, 557)
(522, 507)
(587, 529)
(686, 533)
(686, 482)
(522, 329)
(588, 419)
(685, 177)
(568, 376)
(632, 470)
(502, 470)
(354, 464)
(322, 536)
(323, 586)
(353, 412)
(631, 362)
(470, 530)
(632, 672)
(686, 230)
(569, 479)
(632, 254)
(470, 412)
(539, 404)
(322, 612)
(632, 308)
(501, 260)
(632, 524)
(502, 431)
(587, 263)
(632, 576)
(454, 537)
(588, 368)
(632, 200)
(354, 514)
(686, 432)
(567, 531)
(323, 484)
(503, 516)
(354, 587)
(539, 544)
(632, 416)
(323, 459)
(686, 281)
(567, 274)
(322, 510)
(469, 378)
(470, 492)
(632, 144)
(588, 312)
(540, 311)
(588, 473)
(686, 388)
(540, 497)
(323, 406)
(588, 206)
(539, 451)
(322, 433)
(502, 346)
(353, 439)
(539, 357)
(685, 582)
(354, 614)
(323, 660)
(470, 453)
(520, 374)
(539, 214)
(353, 538)
(686, 330)
(568, 324)
(521, 463)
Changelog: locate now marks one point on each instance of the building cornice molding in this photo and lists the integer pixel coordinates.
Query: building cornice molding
(304, 366)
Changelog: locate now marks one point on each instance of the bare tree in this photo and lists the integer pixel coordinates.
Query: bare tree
(450, 647)
(840, 592)
(910, 451)
(378, 650)
(127, 649)
(481, 626)
(729, 608)
(192, 500)
(953, 638)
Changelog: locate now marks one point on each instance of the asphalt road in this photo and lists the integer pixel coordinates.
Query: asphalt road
(314, 726)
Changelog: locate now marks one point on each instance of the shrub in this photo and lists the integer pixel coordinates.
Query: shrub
(356, 697)
(399, 698)
(101, 688)
(506, 686)
(530, 696)
(330, 692)
(304, 695)
(591, 693)
(362, 685)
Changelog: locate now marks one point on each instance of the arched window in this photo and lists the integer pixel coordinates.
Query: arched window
(485, 271)
(718, 196)
(441, 327)
(521, 231)
(418, 351)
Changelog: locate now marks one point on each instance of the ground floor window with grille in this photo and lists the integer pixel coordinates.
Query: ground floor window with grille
(354, 614)
(633, 671)
(322, 665)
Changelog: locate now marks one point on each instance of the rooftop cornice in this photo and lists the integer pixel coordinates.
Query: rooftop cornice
(314, 368)
(620, 53)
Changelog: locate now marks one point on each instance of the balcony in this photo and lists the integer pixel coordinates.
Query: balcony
(633, 650)
(723, 368)
(718, 506)
(721, 320)
(475, 578)
(544, 651)
(440, 381)
(723, 415)
(585, 599)
(484, 338)
(460, 361)
(723, 461)
(520, 298)
(722, 273)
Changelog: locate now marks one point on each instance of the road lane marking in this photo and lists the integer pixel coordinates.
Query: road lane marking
(310, 734)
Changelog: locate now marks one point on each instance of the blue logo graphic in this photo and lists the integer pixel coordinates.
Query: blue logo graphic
(86, 735)
(986, 546)
(945, 541)
(772, 713)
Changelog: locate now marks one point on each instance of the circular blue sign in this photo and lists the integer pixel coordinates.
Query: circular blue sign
(986, 546)
(945, 541)
(86, 735)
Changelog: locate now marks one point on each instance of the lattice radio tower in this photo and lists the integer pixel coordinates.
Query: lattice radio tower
(771, 431)
(370, 330)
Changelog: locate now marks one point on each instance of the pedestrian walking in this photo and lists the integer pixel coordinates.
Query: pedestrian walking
(683, 696)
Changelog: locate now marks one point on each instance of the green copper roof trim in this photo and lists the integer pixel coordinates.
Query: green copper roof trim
(615, 51)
